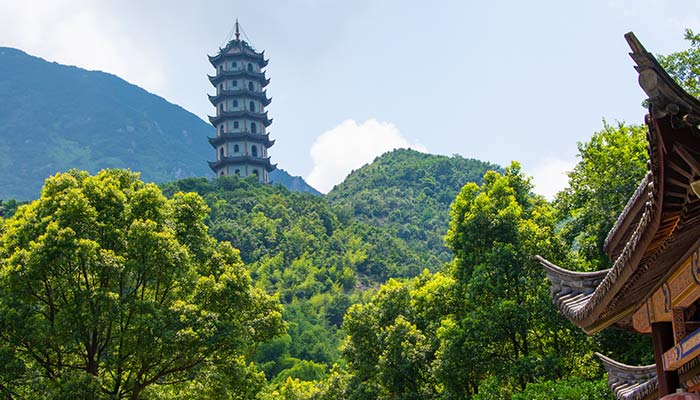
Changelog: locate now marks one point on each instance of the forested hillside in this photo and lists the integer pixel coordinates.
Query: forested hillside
(55, 117)
(409, 193)
(316, 257)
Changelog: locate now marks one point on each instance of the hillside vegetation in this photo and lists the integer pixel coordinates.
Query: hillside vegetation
(408, 193)
(317, 256)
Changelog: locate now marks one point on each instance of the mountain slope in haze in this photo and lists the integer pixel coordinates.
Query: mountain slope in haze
(409, 193)
(293, 183)
(55, 117)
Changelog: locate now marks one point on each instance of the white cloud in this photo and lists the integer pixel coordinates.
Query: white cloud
(348, 146)
(83, 33)
(549, 176)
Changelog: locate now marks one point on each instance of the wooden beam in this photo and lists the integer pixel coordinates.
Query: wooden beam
(680, 170)
(687, 157)
(686, 350)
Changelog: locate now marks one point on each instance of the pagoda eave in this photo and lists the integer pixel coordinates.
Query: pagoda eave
(256, 76)
(224, 56)
(248, 136)
(243, 160)
(260, 117)
(225, 94)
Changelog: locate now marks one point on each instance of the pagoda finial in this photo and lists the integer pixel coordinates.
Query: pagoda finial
(238, 34)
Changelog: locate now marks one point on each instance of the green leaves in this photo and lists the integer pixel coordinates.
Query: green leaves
(684, 66)
(105, 277)
(612, 164)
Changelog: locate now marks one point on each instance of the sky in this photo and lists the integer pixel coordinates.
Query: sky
(350, 80)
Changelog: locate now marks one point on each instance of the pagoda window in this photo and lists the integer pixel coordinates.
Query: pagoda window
(235, 104)
(221, 153)
(253, 127)
(221, 87)
(251, 106)
(250, 67)
(235, 124)
(233, 65)
(222, 173)
(221, 129)
(254, 150)
(236, 149)
(238, 172)
(221, 68)
(250, 86)
(235, 83)
(255, 172)
(221, 108)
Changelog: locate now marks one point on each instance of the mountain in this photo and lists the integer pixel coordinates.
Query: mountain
(55, 117)
(293, 183)
(409, 193)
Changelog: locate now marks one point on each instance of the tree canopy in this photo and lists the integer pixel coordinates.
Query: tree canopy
(684, 65)
(612, 163)
(110, 290)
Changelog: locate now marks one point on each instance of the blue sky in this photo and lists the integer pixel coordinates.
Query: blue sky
(497, 81)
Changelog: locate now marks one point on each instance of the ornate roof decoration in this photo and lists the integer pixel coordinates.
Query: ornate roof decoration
(658, 227)
(571, 290)
(630, 382)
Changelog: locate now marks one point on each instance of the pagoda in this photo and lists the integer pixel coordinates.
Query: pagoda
(241, 122)
(653, 286)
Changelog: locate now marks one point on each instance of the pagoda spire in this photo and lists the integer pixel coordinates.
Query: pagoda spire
(238, 33)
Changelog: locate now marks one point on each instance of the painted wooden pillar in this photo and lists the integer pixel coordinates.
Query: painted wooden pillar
(663, 339)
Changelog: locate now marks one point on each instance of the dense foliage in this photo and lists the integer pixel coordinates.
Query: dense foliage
(110, 290)
(437, 336)
(613, 162)
(408, 193)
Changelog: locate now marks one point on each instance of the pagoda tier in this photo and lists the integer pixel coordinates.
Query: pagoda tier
(242, 136)
(241, 73)
(239, 50)
(226, 94)
(226, 115)
(242, 161)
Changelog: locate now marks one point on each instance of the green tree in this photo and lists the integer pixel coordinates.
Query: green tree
(568, 388)
(391, 342)
(684, 65)
(109, 289)
(505, 325)
(612, 164)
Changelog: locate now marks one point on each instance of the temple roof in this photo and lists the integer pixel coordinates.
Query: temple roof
(571, 290)
(658, 228)
(630, 382)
